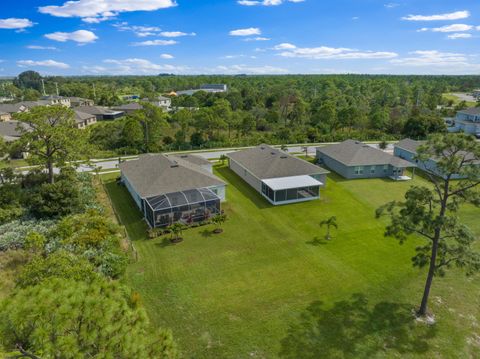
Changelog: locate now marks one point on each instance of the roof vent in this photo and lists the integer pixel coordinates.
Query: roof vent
(184, 156)
(262, 147)
(283, 156)
(273, 153)
(173, 164)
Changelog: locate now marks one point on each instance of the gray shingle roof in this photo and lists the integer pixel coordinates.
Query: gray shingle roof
(82, 116)
(471, 111)
(9, 131)
(96, 110)
(11, 108)
(409, 145)
(133, 106)
(155, 174)
(267, 162)
(355, 153)
(196, 160)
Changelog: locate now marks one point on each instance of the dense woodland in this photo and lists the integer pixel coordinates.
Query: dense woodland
(271, 109)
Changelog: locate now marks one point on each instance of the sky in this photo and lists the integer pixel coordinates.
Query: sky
(143, 37)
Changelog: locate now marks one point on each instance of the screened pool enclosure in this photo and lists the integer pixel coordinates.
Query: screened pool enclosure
(187, 207)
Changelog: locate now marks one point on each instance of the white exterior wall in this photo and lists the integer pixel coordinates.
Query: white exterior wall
(135, 196)
(246, 175)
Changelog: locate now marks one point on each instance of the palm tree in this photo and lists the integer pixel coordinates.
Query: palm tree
(176, 230)
(219, 221)
(331, 222)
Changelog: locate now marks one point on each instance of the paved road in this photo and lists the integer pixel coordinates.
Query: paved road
(112, 164)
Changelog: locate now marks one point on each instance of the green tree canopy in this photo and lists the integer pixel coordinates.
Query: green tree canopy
(50, 137)
(62, 318)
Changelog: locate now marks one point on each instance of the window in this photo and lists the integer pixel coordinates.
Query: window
(385, 168)
(372, 169)
(359, 170)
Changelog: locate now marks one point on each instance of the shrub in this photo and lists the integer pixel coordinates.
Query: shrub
(13, 234)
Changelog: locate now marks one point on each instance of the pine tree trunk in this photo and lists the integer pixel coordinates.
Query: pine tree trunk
(51, 174)
(428, 284)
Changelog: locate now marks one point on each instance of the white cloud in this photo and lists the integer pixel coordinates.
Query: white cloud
(155, 43)
(136, 66)
(285, 46)
(80, 36)
(391, 5)
(16, 24)
(448, 28)
(102, 10)
(266, 2)
(441, 17)
(176, 34)
(244, 69)
(37, 47)
(144, 31)
(44, 63)
(166, 56)
(433, 61)
(459, 36)
(324, 52)
(258, 38)
(246, 32)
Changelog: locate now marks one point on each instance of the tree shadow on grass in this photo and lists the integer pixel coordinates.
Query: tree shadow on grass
(164, 242)
(235, 180)
(353, 329)
(207, 233)
(317, 241)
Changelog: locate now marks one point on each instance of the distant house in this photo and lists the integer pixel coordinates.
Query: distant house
(278, 176)
(214, 88)
(128, 108)
(163, 102)
(467, 121)
(407, 149)
(211, 88)
(353, 159)
(57, 100)
(82, 119)
(170, 189)
(476, 93)
(13, 108)
(78, 101)
(101, 113)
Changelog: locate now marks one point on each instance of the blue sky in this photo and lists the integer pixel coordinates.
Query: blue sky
(97, 37)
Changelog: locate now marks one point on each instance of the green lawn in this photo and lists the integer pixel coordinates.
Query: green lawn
(457, 100)
(269, 286)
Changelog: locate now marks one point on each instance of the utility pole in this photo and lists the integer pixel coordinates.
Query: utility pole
(43, 87)
(56, 87)
(94, 92)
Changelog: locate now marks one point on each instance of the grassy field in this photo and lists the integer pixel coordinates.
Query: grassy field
(456, 100)
(269, 286)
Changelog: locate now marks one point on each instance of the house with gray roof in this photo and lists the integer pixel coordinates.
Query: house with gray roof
(407, 149)
(279, 177)
(102, 113)
(173, 188)
(128, 108)
(468, 121)
(353, 159)
(83, 120)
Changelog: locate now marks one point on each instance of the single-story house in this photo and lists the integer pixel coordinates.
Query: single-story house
(170, 189)
(82, 119)
(79, 101)
(278, 176)
(9, 131)
(102, 113)
(407, 149)
(128, 108)
(353, 159)
(57, 100)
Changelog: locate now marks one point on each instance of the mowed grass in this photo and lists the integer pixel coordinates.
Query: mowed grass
(270, 286)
